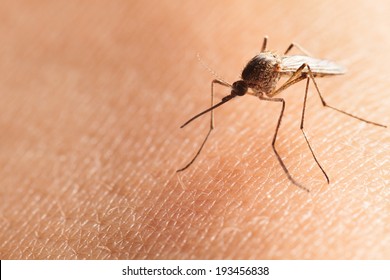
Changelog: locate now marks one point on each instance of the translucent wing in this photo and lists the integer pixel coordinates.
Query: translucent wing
(318, 66)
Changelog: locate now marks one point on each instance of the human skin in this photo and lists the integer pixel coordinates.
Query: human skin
(92, 98)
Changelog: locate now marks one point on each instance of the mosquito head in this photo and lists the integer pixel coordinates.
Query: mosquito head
(239, 88)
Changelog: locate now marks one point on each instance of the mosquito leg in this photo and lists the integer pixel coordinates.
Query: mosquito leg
(295, 78)
(264, 47)
(274, 141)
(215, 81)
(334, 108)
(304, 134)
(301, 49)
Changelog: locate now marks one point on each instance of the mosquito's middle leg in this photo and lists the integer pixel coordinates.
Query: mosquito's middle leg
(215, 81)
(296, 77)
(281, 100)
(304, 133)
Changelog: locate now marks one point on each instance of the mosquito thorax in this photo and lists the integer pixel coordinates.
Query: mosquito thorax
(239, 88)
(262, 73)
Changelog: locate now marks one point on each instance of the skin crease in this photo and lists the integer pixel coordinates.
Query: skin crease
(92, 98)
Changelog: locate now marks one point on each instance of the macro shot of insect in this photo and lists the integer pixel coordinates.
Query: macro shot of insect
(260, 78)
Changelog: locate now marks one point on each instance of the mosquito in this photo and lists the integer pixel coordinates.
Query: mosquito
(260, 78)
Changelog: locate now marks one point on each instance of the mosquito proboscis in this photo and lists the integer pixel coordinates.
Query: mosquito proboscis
(260, 77)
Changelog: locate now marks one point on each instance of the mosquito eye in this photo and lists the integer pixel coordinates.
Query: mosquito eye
(239, 88)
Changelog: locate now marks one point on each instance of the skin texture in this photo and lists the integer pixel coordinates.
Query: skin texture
(92, 98)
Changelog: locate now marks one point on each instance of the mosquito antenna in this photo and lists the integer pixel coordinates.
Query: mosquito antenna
(209, 68)
(224, 100)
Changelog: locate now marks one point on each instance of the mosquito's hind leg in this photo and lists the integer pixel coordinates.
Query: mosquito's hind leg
(334, 108)
(215, 81)
(301, 49)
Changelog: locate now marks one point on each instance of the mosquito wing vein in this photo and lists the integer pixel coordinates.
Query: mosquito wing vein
(318, 66)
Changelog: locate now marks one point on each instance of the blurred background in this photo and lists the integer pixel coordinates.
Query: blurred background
(92, 95)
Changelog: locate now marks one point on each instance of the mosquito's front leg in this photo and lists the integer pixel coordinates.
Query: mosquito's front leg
(216, 81)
